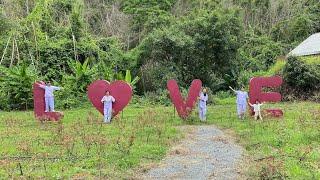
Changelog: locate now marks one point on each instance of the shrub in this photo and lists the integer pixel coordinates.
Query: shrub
(203, 46)
(154, 76)
(259, 53)
(301, 75)
(16, 87)
(75, 85)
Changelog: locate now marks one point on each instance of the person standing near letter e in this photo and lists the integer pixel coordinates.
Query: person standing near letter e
(242, 100)
(257, 109)
(48, 96)
(203, 98)
(107, 101)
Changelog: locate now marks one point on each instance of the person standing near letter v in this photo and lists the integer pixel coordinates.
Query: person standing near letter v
(203, 98)
(107, 101)
(48, 95)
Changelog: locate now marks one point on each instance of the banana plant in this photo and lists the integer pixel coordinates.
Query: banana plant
(81, 74)
(16, 83)
(128, 78)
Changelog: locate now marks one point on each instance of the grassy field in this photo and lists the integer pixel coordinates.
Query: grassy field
(80, 146)
(278, 148)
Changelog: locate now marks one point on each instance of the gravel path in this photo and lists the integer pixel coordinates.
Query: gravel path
(206, 153)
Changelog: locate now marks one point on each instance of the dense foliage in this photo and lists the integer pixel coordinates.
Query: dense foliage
(73, 42)
(303, 76)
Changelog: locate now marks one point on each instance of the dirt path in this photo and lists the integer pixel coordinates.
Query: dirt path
(206, 153)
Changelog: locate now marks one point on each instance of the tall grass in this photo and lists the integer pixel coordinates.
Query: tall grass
(275, 69)
(311, 59)
(81, 146)
(277, 148)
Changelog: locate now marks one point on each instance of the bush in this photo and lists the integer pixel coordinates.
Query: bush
(202, 46)
(302, 79)
(75, 85)
(154, 76)
(223, 98)
(259, 53)
(301, 75)
(16, 87)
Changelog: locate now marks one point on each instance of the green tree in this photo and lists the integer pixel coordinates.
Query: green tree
(204, 46)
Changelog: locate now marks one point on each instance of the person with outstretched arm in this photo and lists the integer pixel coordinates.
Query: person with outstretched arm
(257, 109)
(242, 100)
(49, 96)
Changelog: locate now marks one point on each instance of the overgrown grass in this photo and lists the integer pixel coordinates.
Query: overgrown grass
(275, 69)
(278, 148)
(312, 60)
(80, 146)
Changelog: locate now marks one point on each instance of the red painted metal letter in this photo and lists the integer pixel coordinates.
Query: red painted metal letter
(184, 108)
(39, 105)
(256, 92)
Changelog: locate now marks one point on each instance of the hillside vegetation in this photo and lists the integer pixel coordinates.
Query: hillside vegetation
(73, 42)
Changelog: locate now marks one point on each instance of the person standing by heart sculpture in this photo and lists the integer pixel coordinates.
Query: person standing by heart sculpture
(107, 101)
(121, 92)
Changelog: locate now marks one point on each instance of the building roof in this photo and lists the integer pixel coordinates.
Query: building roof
(310, 46)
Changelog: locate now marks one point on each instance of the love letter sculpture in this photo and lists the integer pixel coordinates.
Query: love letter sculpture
(120, 90)
(256, 92)
(184, 108)
(39, 105)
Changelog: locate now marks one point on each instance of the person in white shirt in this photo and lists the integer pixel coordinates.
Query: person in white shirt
(257, 110)
(107, 101)
(203, 98)
(242, 99)
(49, 96)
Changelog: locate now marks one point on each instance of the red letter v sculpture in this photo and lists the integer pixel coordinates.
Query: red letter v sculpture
(184, 108)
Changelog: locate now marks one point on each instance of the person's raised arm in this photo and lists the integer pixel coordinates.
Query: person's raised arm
(41, 85)
(250, 104)
(232, 89)
(56, 88)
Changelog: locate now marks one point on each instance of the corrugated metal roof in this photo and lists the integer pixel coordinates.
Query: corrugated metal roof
(310, 46)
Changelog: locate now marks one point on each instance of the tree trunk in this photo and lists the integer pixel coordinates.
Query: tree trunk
(12, 53)
(5, 50)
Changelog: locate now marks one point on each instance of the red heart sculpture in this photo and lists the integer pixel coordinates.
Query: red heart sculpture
(120, 90)
(184, 108)
(39, 105)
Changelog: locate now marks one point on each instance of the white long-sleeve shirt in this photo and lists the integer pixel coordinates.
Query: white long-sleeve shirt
(203, 100)
(48, 90)
(256, 107)
(107, 101)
